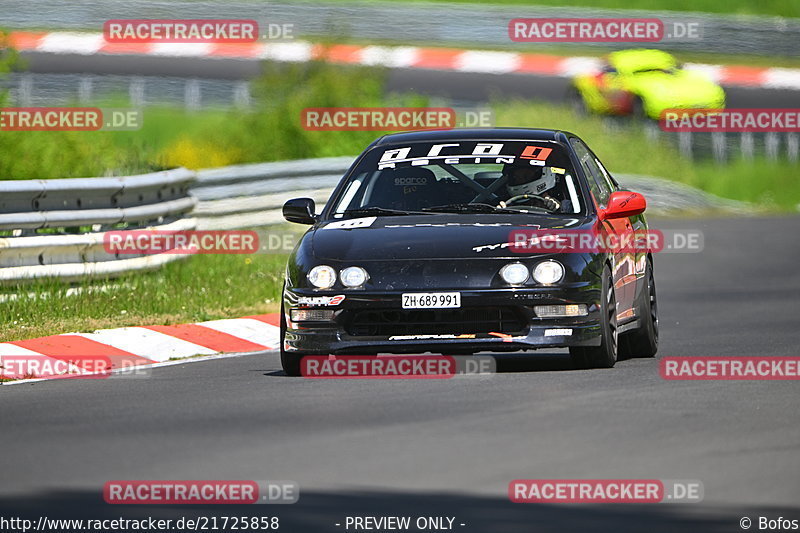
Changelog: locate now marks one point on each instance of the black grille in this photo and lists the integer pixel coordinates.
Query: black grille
(388, 322)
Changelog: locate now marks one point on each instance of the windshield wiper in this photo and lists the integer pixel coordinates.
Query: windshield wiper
(478, 207)
(378, 211)
(475, 208)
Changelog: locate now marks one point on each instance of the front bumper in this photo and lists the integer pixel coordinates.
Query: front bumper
(347, 335)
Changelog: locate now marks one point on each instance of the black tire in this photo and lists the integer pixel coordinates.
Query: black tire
(643, 341)
(605, 355)
(638, 112)
(290, 361)
(576, 102)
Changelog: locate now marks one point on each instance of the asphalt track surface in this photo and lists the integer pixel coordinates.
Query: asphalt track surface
(450, 447)
(463, 86)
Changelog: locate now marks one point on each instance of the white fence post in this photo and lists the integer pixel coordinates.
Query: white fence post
(191, 95)
(136, 92)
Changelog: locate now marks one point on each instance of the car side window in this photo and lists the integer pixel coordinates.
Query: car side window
(606, 175)
(598, 184)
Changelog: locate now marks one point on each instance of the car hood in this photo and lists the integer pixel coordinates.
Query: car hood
(440, 236)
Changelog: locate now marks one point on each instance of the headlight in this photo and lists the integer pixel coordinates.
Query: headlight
(353, 277)
(322, 277)
(514, 273)
(548, 272)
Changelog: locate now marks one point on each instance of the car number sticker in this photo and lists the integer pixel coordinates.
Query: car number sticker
(351, 223)
(431, 300)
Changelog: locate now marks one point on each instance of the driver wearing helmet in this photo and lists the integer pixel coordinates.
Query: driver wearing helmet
(527, 181)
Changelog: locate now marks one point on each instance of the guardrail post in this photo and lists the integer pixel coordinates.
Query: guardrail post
(85, 89)
(136, 92)
(191, 95)
(771, 144)
(651, 131)
(719, 146)
(747, 145)
(792, 146)
(241, 95)
(25, 90)
(685, 143)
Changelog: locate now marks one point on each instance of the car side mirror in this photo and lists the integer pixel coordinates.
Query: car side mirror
(300, 210)
(623, 204)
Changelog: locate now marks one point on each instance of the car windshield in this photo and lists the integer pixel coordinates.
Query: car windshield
(462, 176)
(645, 70)
(634, 61)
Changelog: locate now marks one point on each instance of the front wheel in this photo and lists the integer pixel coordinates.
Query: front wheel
(643, 341)
(290, 361)
(605, 355)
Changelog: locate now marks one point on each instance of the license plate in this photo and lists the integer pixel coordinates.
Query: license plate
(431, 300)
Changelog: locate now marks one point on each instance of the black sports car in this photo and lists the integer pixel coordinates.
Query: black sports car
(416, 251)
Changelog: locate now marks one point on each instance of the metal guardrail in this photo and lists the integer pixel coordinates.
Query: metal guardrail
(252, 195)
(726, 146)
(70, 203)
(722, 147)
(56, 227)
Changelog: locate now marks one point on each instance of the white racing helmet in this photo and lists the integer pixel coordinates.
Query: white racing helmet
(530, 180)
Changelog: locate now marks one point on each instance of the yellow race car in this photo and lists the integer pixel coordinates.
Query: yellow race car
(643, 83)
